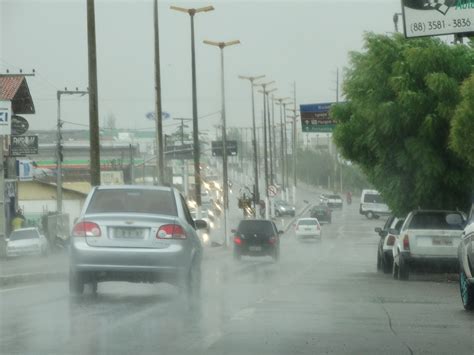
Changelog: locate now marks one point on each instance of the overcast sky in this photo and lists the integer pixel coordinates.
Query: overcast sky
(302, 41)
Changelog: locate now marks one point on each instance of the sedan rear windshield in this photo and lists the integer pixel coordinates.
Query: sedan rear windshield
(133, 201)
(308, 222)
(22, 235)
(256, 227)
(435, 220)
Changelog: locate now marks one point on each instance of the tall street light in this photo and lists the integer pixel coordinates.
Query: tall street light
(221, 46)
(197, 165)
(264, 89)
(254, 140)
(269, 134)
(280, 102)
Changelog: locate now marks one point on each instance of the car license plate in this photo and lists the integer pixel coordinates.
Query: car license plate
(255, 248)
(129, 233)
(442, 241)
(308, 229)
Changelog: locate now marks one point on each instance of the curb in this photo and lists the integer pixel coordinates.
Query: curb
(8, 280)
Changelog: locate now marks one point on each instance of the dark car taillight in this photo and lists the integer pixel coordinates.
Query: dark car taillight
(273, 239)
(238, 240)
(391, 240)
(171, 231)
(86, 229)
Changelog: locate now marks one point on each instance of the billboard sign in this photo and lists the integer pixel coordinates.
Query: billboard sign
(316, 118)
(231, 148)
(25, 170)
(5, 117)
(111, 177)
(179, 152)
(437, 17)
(23, 145)
(19, 125)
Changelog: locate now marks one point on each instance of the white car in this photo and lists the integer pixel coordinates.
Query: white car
(429, 239)
(308, 228)
(386, 242)
(26, 241)
(332, 201)
(372, 204)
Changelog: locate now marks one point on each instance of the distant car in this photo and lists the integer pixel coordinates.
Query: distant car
(26, 241)
(386, 242)
(308, 228)
(332, 201)
(372, 204)
(205, 216)
(322, 213)
(466, 266)
(256, 237)
(135, 234)
(283, 208)
(428, 239)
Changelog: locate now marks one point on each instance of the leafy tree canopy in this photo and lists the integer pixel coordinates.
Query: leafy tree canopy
(401, 98)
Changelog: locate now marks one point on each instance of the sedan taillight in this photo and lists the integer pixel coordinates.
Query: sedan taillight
(86, 229)
(171, 231)
(406, 242)
(272, 240)
(238, 240)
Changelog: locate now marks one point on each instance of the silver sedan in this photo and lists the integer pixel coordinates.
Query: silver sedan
(135, 234)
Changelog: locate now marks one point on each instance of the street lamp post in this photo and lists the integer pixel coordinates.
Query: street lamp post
(265, 155)
(221, 46)
(280, 102)
(254, 141)
(197, 165)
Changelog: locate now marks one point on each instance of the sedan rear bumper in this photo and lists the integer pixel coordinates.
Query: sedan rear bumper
(432, 263)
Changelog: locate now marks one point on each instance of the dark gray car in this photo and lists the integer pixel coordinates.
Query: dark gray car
(135, 234)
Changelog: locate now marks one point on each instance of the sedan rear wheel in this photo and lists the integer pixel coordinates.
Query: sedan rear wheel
(76, 282)
(369, 215)
(467, 292)
(193, 282)
(403, 270)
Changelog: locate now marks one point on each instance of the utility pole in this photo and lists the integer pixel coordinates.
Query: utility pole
(282, 104)
(294, 143)
(158, 108)
(254, 141)
(93, 97)
(59, 148)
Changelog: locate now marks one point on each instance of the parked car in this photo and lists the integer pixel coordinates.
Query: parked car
(322, 213)
(308, 228)
(283, 208)
(332, 201)
(135, 234)
(386, 242)
(372, 204)
(26, 241)
(256, 237)
(466, 266)
(428, 239)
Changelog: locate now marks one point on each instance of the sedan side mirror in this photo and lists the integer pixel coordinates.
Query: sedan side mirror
(281, 232)
(378, 230)
(200, 224)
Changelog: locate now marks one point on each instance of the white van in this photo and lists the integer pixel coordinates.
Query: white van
(372, 204)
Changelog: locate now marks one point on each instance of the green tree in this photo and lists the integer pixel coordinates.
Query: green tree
(401, 97)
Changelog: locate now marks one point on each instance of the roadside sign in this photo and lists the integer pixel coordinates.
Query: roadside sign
(316, 118)
(152, 115)
(179, 152)
(5, 117)
(272, 191)
(434, 18)
(231, 148)
(19, 125)
(23, 145)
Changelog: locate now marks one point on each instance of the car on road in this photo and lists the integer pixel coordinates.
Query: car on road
(322, 213)
(466, 266)
(26, 241)
(308, 228)
(428, 239)
(332, 201)
(256, 237)
(283, 208)
(372, 205)
(386, 242)
(135, 234)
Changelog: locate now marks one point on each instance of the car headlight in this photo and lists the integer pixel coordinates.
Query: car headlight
(205, 237)
(283, 209)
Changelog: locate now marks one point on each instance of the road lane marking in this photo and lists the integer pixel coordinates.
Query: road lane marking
(17, 288)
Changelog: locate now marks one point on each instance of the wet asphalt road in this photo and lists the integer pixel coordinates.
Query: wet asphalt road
(321, 298)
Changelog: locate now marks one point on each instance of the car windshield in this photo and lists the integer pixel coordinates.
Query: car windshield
(24, 234)
(132, 201)
(256, 227)
(435, 220)
(307, 222)
(373, 198)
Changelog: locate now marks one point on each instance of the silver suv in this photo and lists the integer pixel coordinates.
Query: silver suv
(135, 234)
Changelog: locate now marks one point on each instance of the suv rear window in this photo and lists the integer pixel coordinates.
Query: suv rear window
(373, 198)
(256, 227)
(434, 220)
(133, 201)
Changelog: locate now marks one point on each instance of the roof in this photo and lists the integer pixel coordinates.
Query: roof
(14, 88)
